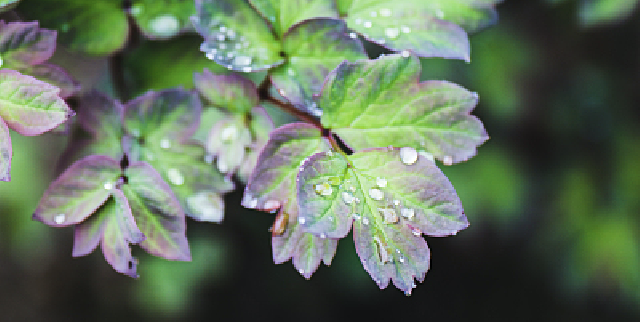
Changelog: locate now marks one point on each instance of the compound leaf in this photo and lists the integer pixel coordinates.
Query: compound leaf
(284, 14)
(157, 213)
(314, 48)
(78, 191)
(380, 103)
(23, 44)
(391, 196)
(232, 92)
(29, 106)
(6, 152)
(273, 185)
(162, 19)
(98, 27)
(236, 36)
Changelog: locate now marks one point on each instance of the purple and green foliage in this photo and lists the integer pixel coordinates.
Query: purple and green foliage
(273, 185)
(162, 21)
(380, 103)
(282, 15)
(391, 196)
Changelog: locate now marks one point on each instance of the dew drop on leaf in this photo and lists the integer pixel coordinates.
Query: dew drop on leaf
(348, 197)
(271, 205)
(367, 24)
(407, 213)
(365, 220)
(242, 60)
(376, 194)
(229, 133)
(408, 155)
(447, 160)
(323, 189)
(165, 143)
(301, 220)
(165, 25)
(389, 215)
(356, 216)
(383, 254)
(108, 185)
(323, 235)
(222, 165)
(352, 35)
(175, 176)
(405, 29)
(392, 32)
(59, 219)
(405, 53)
(384, 12)
(381, 182)
(136, 9)
(416, 232)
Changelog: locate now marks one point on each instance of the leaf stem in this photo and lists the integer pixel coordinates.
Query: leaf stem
(263, 91)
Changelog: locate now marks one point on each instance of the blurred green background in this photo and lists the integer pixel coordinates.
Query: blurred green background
(553, 199)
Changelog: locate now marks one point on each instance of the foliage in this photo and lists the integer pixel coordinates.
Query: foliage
(362, 154)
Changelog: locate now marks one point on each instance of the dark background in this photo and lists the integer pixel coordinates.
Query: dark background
(552, 197)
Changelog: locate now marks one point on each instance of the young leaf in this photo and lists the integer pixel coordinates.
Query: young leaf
(314, 48)
(5, 152)
(97, 27)
(233, 92)
(273, 185)
(381, 103)
(284, 14)
(392, 196)
(157, 213)
(55, 76)
(236, 36)
(78, 191)
(162, 20)
(408, 25)
(29, 106)
(101, 116)
(23, 44)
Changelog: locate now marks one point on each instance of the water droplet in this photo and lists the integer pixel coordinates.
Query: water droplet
(301, 271)
(407, 213)
(222, 46)
(389, 215)
(165, 143)
(330, 153)
(108, 185)
(165, 25)
(222, 165)
(376, 194)
(348, 197)
(229, 133)
(356, 216)
(447, 160)
(373, 14)
(59, 219)
(405, 29)
(439, 13)
(246, 69)
(405, 53)
(301, 220)
(383, 254)
(416, 232)
(291, 72)
(323, 189)
(367, 24)
(392, 32)
(352, 189)
(426, 155)
(220, 37)
(175, 176)
(384, 12)
(136, 9)
(381, 182)
(396, 202)
(365, 220)
(353, 35)
(211, 55)
(1, 61)
(323, 235)
(408, 155)
(271, 205)
(242, 60)
(401, 259)
(253, 203)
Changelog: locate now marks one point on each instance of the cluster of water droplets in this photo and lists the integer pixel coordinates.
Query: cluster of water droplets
(226, 47)
(390, 32)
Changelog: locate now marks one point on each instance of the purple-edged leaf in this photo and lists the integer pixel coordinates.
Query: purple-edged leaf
(162, 21)
(171, 115)
(23, 44)
(273, 184)
(101, 116)
(97, 27)
(261, 126)
(124, 219)
(236, 36)
(381, 103)
(409, 25)
(56, 76)
(282, 14)
(314, 48)
(392, 196)
(232, 92)
(78, 191)
(87, 234)
(157, 213)
(30, 106)
(5, 152)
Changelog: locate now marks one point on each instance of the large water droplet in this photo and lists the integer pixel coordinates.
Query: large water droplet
(408, 155)
(175, 176)
(367, 24)
(229, 133)
(165, 25)
(353, 35)
(323, 189)
(59, 219)
(365, 220)
(242, 60)
(381, 182)
(376, 194)
(348, 197)
(447, 160)
(405, 29)
(405, 53)
(323, 235)
(383, 254)
(407, 213)
(392, 32)
(222, 165)
(165, 143)
(108, 185)
(389, 215)
(301, 220)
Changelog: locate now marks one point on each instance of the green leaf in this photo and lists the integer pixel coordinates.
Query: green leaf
(6, 152)
(273, 185)
(29, 106)
(101, 116)
(380, 103)
(314, 48)
(417, 26)
(157, 213)
(236, 36)
(78, 191)
(23, 44)
(96, 27)
(232, 92)
(284, 14)
(391, 197)
(162, 19)
(599, 12)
